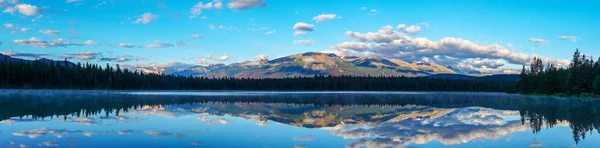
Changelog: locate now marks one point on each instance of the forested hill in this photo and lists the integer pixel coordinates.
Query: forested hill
(581, 78)
(46, 74)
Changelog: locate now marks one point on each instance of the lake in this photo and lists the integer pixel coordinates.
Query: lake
(37, 118)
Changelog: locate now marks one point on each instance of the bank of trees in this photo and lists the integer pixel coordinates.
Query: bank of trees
(58, 75)
(581, 77)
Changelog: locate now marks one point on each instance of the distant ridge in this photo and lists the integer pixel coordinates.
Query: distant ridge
(43, 60)
(504, 77)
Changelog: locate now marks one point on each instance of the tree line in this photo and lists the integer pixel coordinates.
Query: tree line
(581, 77)
(57, 75)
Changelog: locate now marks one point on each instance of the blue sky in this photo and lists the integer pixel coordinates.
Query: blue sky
(494, 36)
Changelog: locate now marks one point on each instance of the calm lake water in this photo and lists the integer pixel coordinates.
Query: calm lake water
(294, 119)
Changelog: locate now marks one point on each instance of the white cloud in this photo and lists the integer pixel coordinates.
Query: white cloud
(25, 29)
(305, 42)
(158, 44)
(196, 36)
(73, 1)
(373, 12)
(44, 44)
(537, 41)
(9, 26)
(146, 18)
(121, 59)
(28, 10)
(223, 58)
(126, 45)
(301, 28)
(270, 32)
(393, 44)
(566, 37)
(425, 24)
(261, 57)
(197, 9)
(10, 10)
(48, 143)
(89, 42)
(210, 59)
(50, 32)
(412, 29)
(245, 4)
(83, 55)
(299, 33)
(401, 26)
(19, 54)
(324, 17)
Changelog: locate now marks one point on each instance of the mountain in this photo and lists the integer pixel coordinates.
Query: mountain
(505, 77)
(43, 60)
(315, 63)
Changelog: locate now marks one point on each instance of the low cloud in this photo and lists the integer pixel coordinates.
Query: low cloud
(146, 18)
(393, 44)
(45, 44)
(537, 41)
(20, 54)
(570, 38)
(158, 44)
(50, 32)
(121, 59)
(86, 56)
(305, 42)
(301, 26)
(324, 17)
(196, 36)
(245, 4)
(28, 10)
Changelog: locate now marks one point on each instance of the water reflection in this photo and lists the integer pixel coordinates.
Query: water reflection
(64, 118)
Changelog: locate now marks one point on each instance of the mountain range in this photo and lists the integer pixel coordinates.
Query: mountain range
(307, 64)
(310, 64)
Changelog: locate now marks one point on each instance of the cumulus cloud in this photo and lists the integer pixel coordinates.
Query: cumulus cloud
(261, 57)
(197, 9)
(83, 55)
(196, 36)
(28, 10)
(121, 59)
(50, 32)
(210, 59)
(324, 17)
(537, 41)
(20, 54)
(124, 45)
(245, 4)
(158, 44)
(392, 44)
(89, 42)
(305, 42)
(412, 29)
(25, 29)
(44, 44)
(301, 26)
(571, 38)
(299, 33)
(146, 18)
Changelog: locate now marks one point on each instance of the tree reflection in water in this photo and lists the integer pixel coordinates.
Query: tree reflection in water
(322, 110)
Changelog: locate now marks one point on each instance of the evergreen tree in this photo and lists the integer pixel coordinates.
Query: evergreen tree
(596, 87)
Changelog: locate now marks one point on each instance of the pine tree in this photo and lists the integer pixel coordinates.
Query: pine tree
(596, 87)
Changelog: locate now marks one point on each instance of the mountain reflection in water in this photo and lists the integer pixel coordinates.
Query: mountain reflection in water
(267, 119)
